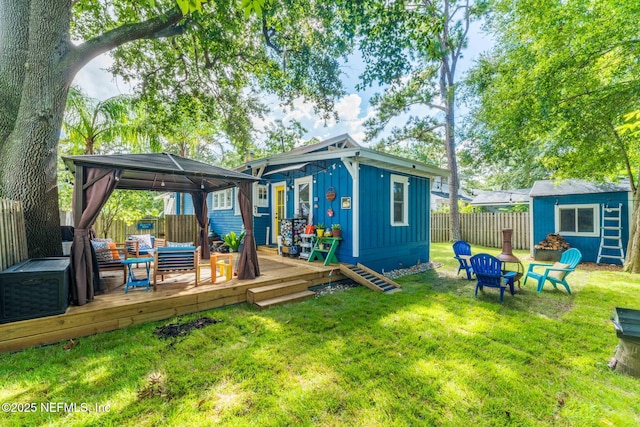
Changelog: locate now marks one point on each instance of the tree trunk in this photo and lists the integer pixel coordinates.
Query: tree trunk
(14, 38)
(632, 260)
(28, 171)
(447, 92)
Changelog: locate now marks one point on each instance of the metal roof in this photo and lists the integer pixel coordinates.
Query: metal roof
(576, 186)
(161, 172)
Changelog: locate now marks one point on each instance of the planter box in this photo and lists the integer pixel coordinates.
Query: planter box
(547, 255)
(34, 288)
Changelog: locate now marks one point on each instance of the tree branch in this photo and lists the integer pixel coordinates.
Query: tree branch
(267, 33)
(159, 26)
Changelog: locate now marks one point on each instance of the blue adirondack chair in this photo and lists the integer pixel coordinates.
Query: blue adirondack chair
(555, 273)
(488, 271)
(462, 252)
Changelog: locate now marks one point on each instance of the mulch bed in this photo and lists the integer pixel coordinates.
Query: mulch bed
(175, 330)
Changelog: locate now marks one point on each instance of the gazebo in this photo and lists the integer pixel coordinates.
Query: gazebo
(96, 176)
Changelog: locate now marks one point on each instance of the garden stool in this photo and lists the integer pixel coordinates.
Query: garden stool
(218, 262)
(224, 269)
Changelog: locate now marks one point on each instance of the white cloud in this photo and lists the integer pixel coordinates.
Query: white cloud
(97, 82)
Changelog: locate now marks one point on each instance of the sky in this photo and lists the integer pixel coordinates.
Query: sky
(353, 109)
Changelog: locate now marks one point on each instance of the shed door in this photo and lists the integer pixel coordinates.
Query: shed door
(278, 207)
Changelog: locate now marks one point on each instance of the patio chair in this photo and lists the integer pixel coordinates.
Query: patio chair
(488, 271)
(176, 260)
(462, 251)
(556, 273)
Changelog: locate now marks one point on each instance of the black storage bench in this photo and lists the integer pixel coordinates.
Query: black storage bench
(34, 288)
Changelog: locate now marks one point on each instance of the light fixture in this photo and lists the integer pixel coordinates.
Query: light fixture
(202, 184)
(162, 183)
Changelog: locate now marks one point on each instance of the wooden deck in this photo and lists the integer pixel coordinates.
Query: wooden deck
(175, 296)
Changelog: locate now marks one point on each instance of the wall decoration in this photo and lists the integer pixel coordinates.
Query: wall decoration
(346, 203)
(330, 194)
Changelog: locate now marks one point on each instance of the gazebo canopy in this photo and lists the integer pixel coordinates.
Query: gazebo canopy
(97, 176)
(161, 172)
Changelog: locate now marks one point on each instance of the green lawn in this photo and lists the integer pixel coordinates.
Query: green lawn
(431, 355)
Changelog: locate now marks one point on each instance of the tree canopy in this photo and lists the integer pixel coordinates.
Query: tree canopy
(556, 89)
(220, 51)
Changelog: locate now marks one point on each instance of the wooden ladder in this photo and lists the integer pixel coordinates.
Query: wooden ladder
(369, 278)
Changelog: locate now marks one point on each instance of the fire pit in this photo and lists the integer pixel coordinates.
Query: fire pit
(626, 322)
(509, 260)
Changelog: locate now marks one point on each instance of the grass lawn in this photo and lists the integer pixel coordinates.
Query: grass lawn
(430, 355)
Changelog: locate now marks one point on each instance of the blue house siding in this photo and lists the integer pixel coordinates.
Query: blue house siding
(224, 220)
(387, 247)
(544, 220)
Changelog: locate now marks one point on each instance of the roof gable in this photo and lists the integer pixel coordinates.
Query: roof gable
(343, 148)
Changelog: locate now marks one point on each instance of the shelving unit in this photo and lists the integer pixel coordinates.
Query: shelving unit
(291, 229)
(306, 244)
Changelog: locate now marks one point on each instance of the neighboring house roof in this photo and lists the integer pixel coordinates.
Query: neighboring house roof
(576, 186)
(501, 197)
(343, 147)
(446, 196)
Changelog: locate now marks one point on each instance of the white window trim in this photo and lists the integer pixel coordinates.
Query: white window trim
(222, 194)
(296, 196)
(402, 180)
(596, 219)
(236, 202)
(261, 203)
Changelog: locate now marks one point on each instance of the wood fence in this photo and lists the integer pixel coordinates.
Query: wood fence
(13, 237)
(174, 228)
(484, 228)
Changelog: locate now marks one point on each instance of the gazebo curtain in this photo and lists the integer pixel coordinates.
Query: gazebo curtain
(200, 208)
(99, 184)
(248, 267)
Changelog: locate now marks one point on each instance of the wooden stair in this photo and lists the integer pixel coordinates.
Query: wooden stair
(369, 278)
(279, 293)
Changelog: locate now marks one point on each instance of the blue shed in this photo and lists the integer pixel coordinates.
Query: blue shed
(381, 201)
(580, 211)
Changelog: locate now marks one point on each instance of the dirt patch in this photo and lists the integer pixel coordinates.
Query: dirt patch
(175, 330)
(591, 266)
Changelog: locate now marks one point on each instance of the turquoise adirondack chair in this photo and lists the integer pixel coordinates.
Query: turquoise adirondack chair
(556, 273)
(462, 252)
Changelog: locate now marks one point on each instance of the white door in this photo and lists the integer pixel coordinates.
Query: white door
(303, 198)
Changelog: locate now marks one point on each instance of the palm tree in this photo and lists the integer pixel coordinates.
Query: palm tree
(91, 126)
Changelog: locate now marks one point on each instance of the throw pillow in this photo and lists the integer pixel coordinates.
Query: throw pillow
(108, 239)
(114, 251)
(144, 241)
(559, 275)
(179, 244)
(101, 253)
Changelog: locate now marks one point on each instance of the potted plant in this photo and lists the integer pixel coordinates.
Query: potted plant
(336, 230)
(320, 229)
(233, 240)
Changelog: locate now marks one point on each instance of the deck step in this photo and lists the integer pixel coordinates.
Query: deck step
(284, 299)
(276, 290)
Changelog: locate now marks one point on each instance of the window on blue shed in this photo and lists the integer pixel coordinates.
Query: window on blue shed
(399, 200)
(578, 220)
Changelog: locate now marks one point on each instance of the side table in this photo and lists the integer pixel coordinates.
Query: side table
(134, 281)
